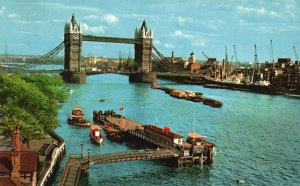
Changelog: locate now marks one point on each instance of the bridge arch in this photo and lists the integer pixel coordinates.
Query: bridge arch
(73, 38)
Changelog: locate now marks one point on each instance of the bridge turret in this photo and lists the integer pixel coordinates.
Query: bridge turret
(73, 47)
(73, 26)
(143, 54)
(143, 32)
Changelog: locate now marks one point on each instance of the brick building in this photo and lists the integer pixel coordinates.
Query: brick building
(18, 166)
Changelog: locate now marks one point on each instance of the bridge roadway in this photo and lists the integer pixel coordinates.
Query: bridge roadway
(76, 165)
(111, 39)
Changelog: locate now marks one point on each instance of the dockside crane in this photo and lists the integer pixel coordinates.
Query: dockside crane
(235, 56)
(205, 55)
(225, 64)
(255, 57)
(296, 54)
(271, 52)
(255, 65)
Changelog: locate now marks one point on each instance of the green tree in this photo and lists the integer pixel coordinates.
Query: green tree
(31, 102)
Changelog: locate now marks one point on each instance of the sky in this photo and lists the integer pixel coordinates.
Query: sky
(34, 27)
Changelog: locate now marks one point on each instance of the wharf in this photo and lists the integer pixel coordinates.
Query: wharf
(123, 123)
(139, 135)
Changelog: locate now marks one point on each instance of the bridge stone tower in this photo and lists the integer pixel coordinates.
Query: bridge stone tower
(73, 46)
(143, 55)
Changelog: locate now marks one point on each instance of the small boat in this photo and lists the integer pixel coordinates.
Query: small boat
(102, 100)
(212, 102)
(77, 118)
(95, 134)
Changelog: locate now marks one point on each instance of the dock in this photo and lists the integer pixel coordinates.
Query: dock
(197, 149)
(165, 145)
(124, 123)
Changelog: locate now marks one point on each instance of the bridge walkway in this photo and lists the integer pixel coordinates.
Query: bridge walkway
(76, 165)
(72, 171)
(136, 155)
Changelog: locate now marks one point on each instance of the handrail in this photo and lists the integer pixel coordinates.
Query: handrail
(47, 171)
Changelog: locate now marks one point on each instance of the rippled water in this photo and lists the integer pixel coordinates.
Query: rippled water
(257, 136)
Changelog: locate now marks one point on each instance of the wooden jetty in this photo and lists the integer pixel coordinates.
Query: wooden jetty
(78, 165)
(197, 151)
(168, 145)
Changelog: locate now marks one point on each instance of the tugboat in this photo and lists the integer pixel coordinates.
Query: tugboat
(77, 118)
(95, 134)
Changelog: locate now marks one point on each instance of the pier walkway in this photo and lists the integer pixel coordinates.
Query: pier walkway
(76, 164)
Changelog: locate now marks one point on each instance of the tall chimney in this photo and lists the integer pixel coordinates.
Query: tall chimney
(16, 139)
(16, 157)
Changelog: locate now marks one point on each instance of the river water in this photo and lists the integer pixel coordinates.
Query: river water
(257, 136)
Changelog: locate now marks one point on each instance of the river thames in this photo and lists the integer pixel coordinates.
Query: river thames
(257, 136)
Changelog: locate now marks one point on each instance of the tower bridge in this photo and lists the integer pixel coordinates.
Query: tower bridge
(146, 57)
(73, 39)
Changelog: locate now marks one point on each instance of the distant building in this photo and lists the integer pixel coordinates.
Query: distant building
(193, 66)
(18, 166)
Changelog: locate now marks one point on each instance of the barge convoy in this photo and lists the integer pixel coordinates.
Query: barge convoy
(189, 95)
(194, 151)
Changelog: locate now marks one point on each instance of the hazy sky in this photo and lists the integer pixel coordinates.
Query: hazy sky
(182, 26)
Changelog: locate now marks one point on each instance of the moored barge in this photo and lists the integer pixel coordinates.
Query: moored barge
(195, 150)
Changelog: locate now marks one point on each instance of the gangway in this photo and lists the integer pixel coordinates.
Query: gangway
(77, 164)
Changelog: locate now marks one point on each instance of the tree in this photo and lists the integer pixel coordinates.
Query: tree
(31, 102)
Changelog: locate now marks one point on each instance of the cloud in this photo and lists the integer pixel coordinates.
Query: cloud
(23, 32)
(167, 45)
(242, 22)
(183, 20)
(157, 42)
(13, 16)
(29, 22)
(2, 9)
(139, 16)
(257, 11)
(110, 18)
(62, 6)
(107, 18)
(93, 17)
(265, 29)
(198, 43)
(179, 33)
(58, 20)
(93, 29)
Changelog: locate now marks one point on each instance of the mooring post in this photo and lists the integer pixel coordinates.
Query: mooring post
(201, 159)
(81, 150)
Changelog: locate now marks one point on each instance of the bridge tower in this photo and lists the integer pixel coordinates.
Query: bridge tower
(73, 72)
(143, 55)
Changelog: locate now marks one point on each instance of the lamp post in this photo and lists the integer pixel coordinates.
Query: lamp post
(89, 153)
